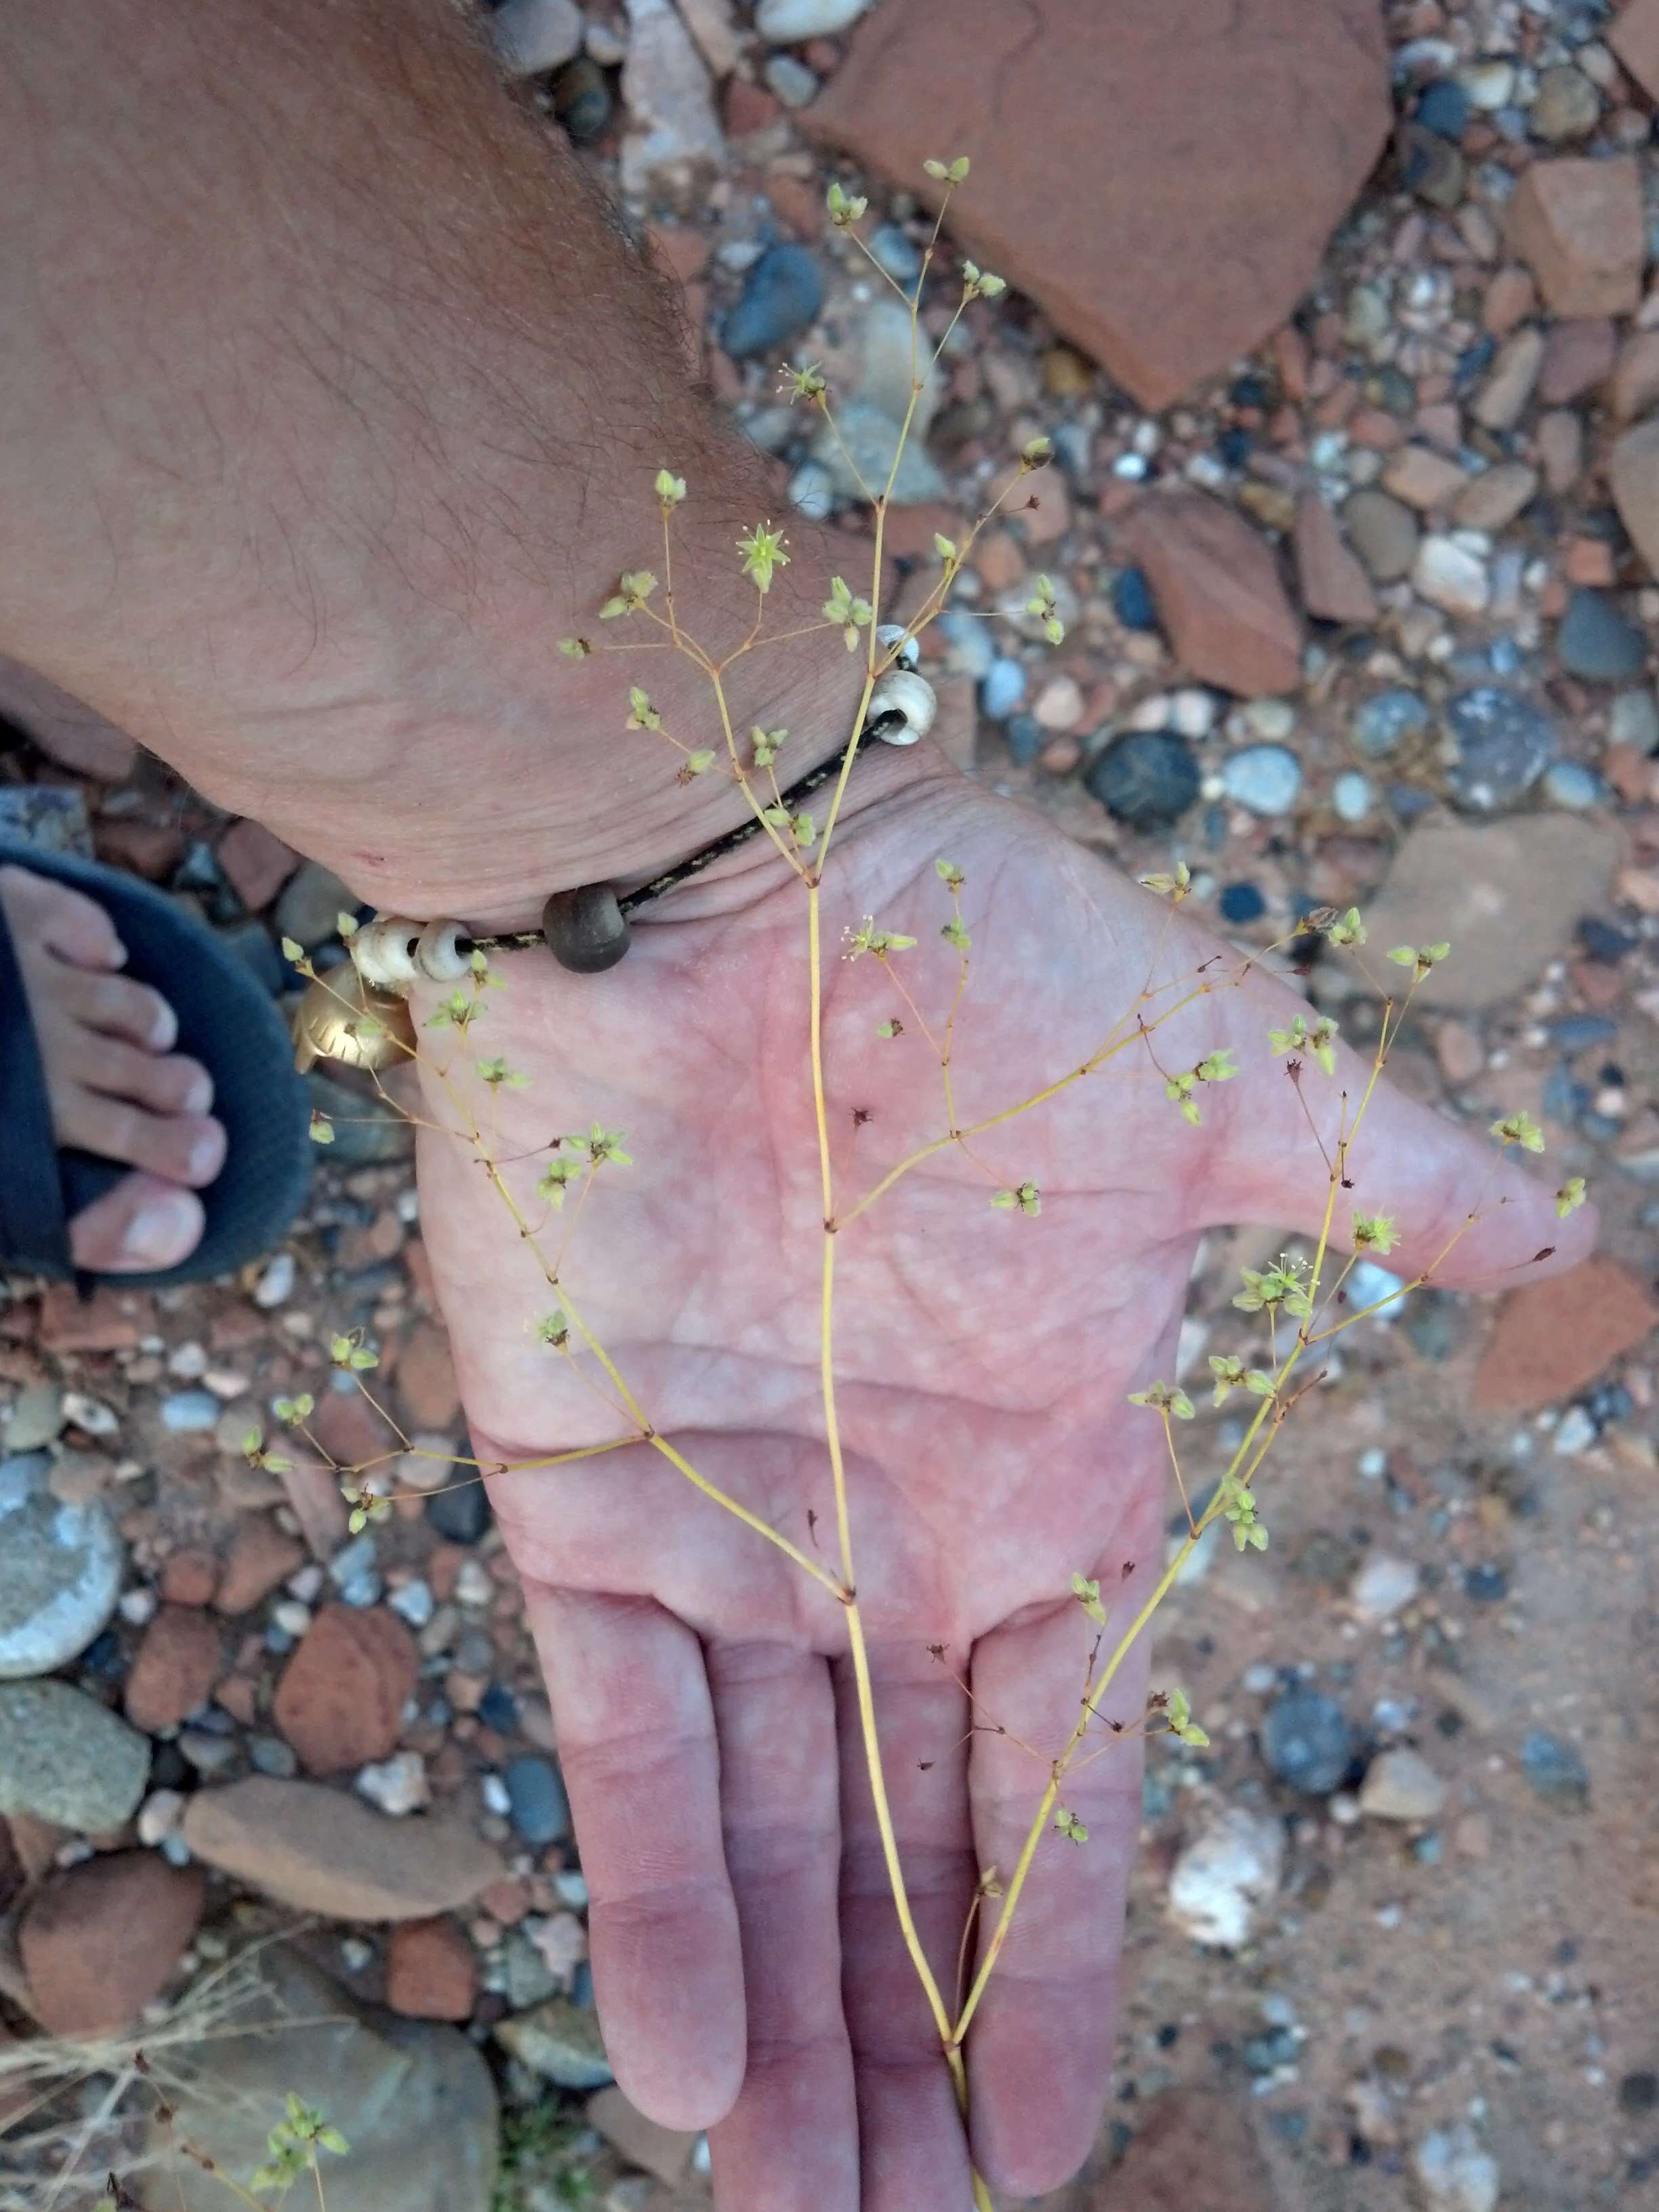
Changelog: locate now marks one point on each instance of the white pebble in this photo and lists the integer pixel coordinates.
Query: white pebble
(276, 1284)
(792, 22)
(159, 1816)
(472, 1584)
(1225, 1876)
(1450, 577)
(291, 1616)
(1383, 1587)
(137, 1605)
(397, 1785)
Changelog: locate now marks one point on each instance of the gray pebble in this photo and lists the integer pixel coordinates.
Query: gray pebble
(1634, 721)
(310, 904)
(60, 1571)
(791, 80)
(1387, 720)
(65, 1758)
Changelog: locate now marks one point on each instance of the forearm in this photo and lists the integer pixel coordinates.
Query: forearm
(330, 398)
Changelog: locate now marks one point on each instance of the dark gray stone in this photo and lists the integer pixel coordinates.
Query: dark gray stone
(537, 1804)
(1307, 1742)
(1595, 639)
(1148, 778)
(1504, 742)
(781, 297)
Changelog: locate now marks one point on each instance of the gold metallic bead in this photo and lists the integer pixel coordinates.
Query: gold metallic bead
(326, 1026)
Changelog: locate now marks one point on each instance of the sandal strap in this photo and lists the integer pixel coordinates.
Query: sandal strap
(33, 1224)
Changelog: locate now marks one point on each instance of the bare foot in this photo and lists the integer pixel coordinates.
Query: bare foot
(116, 1087)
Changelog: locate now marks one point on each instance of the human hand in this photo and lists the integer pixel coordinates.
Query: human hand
(746, 1952)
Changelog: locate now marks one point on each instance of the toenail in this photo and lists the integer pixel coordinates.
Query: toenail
(162, 1229)
(198, 1093)
(204, 1153)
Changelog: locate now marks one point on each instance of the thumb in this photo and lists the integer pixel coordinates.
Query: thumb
(1291, 1141)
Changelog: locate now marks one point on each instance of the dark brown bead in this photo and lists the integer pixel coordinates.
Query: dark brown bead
(584, 929)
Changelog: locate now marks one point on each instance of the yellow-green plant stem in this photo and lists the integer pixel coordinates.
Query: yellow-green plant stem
(855, 1637)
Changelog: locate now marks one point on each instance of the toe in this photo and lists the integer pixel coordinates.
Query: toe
(68, 923)
(114, 1005)
(182, 1148)
(166, 1083)
(140, 1225)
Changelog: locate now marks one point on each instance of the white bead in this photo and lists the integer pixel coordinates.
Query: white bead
(440, 953)
(888, 634)
(901, 708)
(383, 952)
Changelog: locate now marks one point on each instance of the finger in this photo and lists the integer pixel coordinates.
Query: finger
(1040, 2043)
(790, 2143)
(913, 2153)
(1462, 1205)
(636, 1742)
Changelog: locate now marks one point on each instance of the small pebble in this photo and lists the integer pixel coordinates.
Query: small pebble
(413, 1602)
(790, 81)
(1352, 796)
(1555, 1770)
(1444, 108)
(1002, 690)
(537, 1804)
(1597, 642)
(190, 1413)
(397, 1785)
(1383, 1587)
(1132, 600)
(1148, 778)
(1387, 719)
(1264, 778)
(276, 1284)
(1504, 744)
(1307, 1742)
(781, 297)
(352, 1558)
(1573, 787)
(1241, 903)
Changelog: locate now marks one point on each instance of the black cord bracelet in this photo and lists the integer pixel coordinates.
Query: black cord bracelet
(586, 928)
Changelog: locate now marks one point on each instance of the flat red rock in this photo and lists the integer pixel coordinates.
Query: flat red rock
(1161, 179)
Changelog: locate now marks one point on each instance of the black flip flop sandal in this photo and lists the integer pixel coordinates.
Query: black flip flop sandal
(225, 1020)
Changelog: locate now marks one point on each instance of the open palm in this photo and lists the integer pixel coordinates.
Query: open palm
(747, 1957)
